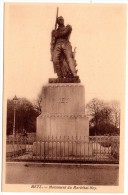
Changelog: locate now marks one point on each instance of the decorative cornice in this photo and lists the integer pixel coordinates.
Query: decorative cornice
(64, 85)
(63, 116)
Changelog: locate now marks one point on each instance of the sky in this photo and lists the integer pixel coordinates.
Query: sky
(99, 33)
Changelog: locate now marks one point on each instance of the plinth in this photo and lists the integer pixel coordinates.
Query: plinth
(62, 127)
(63, 111)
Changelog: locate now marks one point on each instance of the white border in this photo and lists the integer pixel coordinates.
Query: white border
(1, 81)
(69, 1)
(1, 74)
(126, 118)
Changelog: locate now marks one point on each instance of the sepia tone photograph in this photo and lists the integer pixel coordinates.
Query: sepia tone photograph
(64, 97)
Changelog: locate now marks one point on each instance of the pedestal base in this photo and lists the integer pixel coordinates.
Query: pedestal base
(61, 125)
(62, 149)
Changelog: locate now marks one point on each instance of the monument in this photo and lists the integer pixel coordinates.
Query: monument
(63, 98)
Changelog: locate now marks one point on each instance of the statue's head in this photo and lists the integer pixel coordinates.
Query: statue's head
(60, 20)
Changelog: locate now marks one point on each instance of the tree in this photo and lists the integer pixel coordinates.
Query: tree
(94, 108)
(25, 116)
(103, 117)
(10, 114)
(37, 103)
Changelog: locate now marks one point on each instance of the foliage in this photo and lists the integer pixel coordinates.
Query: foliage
(25, 116)
(104, 117)
(37, 103)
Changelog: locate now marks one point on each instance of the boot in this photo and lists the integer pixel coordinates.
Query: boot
(59, 72)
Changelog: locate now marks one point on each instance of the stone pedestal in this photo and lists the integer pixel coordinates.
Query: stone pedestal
(62, 125)
(63, 111)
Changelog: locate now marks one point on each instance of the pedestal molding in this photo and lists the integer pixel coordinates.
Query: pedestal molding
(64, 115)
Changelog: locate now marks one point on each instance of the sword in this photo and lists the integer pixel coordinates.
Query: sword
(53, 38)
(56, 17)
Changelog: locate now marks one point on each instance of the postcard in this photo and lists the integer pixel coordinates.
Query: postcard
(64, 97)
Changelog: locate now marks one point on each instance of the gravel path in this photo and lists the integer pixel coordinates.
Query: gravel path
(61, 174)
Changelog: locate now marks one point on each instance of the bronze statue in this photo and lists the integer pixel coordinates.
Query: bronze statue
(61, 50)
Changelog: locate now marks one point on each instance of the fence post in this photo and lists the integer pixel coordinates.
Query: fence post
(84, 148)
(52, 149)
(40, 149)
(56, 147)
(60, 147)
(80, 148)
(48, 147)
(64, 147)
(72, 147)
(76, 147)
(68, 147)
(44, 148)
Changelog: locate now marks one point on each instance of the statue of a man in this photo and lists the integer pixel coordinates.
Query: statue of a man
(62, 55)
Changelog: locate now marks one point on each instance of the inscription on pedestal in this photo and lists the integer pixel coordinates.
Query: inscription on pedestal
(64, 100)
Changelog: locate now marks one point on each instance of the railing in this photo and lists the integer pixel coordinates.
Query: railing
(92, 149)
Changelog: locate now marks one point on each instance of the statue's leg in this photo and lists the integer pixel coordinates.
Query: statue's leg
(67, 48)
(56, 61)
